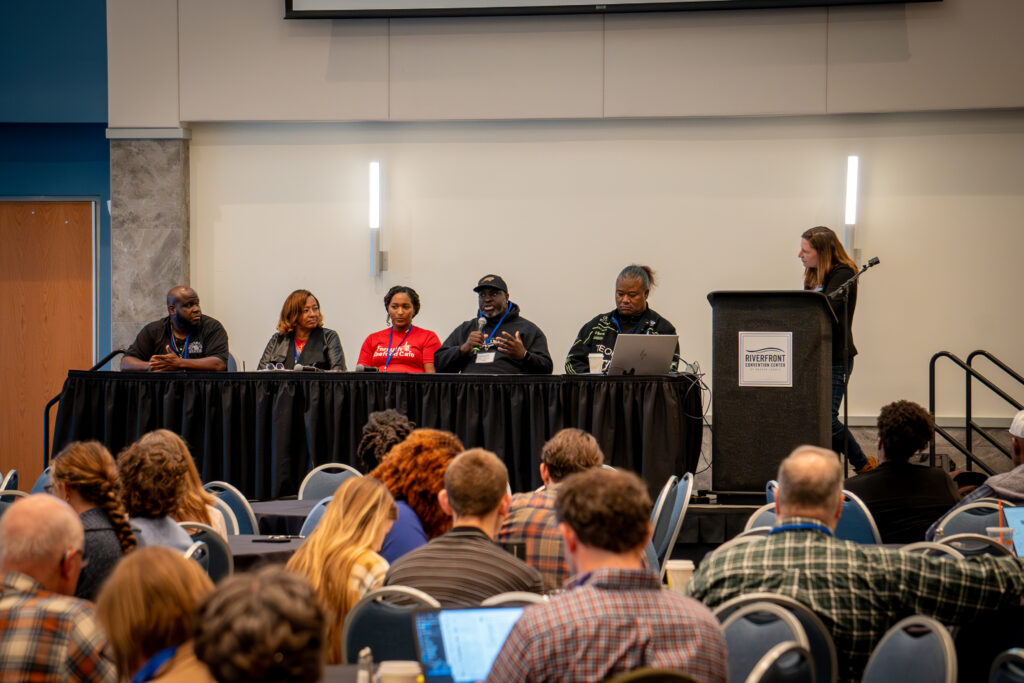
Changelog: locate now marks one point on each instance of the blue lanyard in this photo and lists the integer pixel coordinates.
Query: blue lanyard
(632, 331)
(184, 349)
(488, 337)
(391, 353)
(801, 526)
(151, 668)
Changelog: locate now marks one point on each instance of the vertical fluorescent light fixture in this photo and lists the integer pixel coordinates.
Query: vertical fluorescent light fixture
(852, 166)
(374, 204)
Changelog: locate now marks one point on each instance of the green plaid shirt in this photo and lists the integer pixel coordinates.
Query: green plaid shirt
(859, 591)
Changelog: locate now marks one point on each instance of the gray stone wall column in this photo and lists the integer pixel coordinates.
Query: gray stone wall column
(149, 228)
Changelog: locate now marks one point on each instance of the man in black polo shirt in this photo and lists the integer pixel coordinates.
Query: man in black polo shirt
(184, 340)
(465, 566)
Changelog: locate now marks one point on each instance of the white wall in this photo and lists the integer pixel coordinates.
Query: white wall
(559, 207)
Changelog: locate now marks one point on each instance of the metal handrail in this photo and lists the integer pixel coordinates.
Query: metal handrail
(970, 426)
(49, 404)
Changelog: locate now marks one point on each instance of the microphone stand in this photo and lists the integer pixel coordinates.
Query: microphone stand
(843, 291)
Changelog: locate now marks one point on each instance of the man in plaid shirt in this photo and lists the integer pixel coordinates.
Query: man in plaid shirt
(859, 591)
(531, 517)
(46, 635)
(615, 616)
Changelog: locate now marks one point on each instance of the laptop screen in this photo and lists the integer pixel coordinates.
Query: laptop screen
(1015, 520)
(459, 645)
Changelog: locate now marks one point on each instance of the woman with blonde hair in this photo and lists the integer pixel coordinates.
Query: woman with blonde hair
(826, 267)
(84, 474)
(194, 504)
(148, 610)
(414, 471)
(340, 557)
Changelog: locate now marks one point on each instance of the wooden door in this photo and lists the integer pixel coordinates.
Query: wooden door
(46, 308)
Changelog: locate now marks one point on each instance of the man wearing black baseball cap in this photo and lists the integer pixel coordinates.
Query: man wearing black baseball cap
(496, 342)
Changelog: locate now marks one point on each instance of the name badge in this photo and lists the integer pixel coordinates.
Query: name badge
(485, 357)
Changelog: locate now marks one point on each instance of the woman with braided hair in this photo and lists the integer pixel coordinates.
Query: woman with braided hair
(382, 431)
(84, 474)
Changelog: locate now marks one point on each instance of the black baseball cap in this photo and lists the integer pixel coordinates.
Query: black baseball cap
(491, 281)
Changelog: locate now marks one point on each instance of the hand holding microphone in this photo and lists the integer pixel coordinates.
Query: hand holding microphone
(476, 338)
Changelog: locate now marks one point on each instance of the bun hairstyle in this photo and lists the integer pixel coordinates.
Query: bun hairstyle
(382, 431)
(639, 272)
(88, 469)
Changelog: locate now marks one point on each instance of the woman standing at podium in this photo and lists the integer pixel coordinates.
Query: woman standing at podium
(826, 267)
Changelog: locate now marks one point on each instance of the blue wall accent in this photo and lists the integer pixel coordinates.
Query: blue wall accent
(53, 113)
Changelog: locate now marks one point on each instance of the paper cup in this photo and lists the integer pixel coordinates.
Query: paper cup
(399, 672)
(679, 573)
(1003, 534)
(596, 361)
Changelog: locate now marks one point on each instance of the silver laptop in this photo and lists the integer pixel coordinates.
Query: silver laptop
(643, 354)
(460, 645)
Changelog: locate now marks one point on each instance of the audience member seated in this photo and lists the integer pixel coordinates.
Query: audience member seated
(531, 517)
(152, 482)
(859, 591)
(184, 340)
(383, 431)
(148, 608)
(464, 567)
(414, 473)
(84, 474)
(1008, 486)
(615, 616)
(904, 498)
(302, 338)
(340, 558)
(45, 633)
(265, 626)
(195, 504)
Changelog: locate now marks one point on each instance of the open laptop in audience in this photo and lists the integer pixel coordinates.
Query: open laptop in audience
(459, 645)
(643, 354)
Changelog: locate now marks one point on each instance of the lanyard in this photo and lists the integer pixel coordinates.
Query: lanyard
(295, 345)
(184, 349)
(391, 353)
(488, 338)
(802, 525)
(632, 331)
(151, 668)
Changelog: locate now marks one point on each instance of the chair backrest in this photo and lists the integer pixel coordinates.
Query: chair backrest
(514, 599)
(973, 545)
(754, 629)
(918, 648)
(11, 495)
(200, 553)
(245, 518)
(230, 521)
(1008, 667)
(785, 663)
(659, 503)
(386, 628)
(819, 640)
(762, 516)
(769, 490)
(932, 549)
(41, 482)
(970, 519)
(856, 523)
(651, 556)
(10, 482)
(665, 534)
(314, 516)
(232, 363)
(324, 480)
(222, 562)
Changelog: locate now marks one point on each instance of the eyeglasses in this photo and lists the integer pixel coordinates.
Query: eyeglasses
(275, 366)
(68, 554)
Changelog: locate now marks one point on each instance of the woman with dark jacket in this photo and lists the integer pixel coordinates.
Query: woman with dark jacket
(301, 337)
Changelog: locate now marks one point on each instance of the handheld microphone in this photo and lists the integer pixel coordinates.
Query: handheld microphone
(366, 368)
(480, 322)
(298, 367)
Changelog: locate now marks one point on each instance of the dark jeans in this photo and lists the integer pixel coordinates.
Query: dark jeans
(839, 430)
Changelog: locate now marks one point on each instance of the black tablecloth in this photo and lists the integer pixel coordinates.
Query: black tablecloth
(284, 517)
(250, 552)
(264, 431)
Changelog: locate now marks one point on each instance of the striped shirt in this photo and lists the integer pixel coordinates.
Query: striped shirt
(859, 591)
(531, 521)
(48, 637)
(462, 568)
(611, 622)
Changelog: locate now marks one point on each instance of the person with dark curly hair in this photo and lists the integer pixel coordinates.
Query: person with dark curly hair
(401, 346)
(903, 497)
(414, 473)
(381, 433)
(84, 474)
(263, 626)
(153, 480)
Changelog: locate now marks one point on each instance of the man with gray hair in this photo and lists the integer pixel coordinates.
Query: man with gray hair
(859, 591)
(45, 634)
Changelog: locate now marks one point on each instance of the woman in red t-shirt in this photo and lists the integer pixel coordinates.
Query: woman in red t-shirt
(401, 347)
